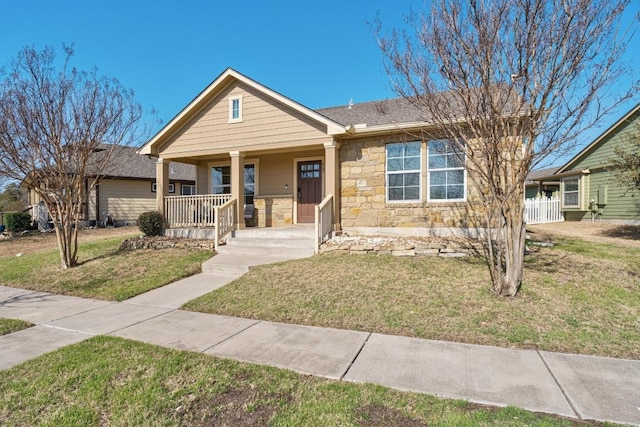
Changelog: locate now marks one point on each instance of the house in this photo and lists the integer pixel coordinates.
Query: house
(355, 167)
(128, 189)
(535, 188)
(587, 188)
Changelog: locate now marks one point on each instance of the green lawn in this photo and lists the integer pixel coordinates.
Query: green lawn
(578, 297)
(116, 382)
(8, 326)
(104, 272)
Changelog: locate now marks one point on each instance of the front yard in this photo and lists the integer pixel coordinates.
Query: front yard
(104, 272)
(577, 297)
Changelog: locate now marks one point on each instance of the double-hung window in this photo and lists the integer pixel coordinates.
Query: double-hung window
(221, 181)
(447, 180)
(403, 171)
(571, 192)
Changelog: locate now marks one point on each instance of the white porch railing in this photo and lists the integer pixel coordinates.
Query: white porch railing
(323, 221)
(225, 220)
(193, 211)
(540, 211)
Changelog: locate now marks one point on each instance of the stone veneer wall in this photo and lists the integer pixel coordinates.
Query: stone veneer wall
(166, 243)
(363, 197)
(273, 211)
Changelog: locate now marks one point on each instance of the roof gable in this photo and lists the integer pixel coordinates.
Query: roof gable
(228, 77)
(603, 138)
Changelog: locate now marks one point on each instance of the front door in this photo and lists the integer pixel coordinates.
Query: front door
(309, 189)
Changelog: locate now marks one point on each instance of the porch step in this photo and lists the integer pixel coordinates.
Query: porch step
(249, 247)
(297, 232)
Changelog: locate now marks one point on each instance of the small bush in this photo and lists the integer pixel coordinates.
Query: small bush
(150, 223)
(17, 221)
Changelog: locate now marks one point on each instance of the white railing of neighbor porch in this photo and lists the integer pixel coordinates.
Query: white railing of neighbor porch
(540, 211)
(193, 211)
(225, 220)
(324, 221)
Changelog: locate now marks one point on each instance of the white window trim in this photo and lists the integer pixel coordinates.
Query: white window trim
(564, 205)
(239, 118)
(191, 186)
(464, 169)
(386, 176)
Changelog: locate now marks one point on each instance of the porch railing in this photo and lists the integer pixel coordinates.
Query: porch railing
(323, 221)
(225, 220)
(541, 211)
(193, 211)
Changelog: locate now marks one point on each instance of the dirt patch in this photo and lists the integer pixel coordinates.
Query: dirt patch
(36, 241)
(236, 407)
(599, 232)
(378, 415)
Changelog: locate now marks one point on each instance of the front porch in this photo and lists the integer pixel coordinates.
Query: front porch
(215, 217)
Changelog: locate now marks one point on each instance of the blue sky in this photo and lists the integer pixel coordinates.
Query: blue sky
(319, 53)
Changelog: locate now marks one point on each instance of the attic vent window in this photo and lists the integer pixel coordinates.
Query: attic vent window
(235, 109)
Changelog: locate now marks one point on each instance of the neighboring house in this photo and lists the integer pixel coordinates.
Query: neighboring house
(252, 144)
(587, 188)
(129, 188)
(534, 188)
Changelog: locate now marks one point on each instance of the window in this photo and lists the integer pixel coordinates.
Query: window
(154, 186)
(403, 171)
(571, 192)
(249, 183)
(235, 109)
(221, 181)
(447, 180)
(187, 190)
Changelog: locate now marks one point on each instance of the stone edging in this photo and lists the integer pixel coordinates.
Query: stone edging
(159, 243)
(402, 246)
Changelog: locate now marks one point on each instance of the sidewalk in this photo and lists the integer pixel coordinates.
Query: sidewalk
(584, 387)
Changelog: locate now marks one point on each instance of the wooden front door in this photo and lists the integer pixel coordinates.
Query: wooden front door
(309, 189)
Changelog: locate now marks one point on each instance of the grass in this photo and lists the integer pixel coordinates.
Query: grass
(8, 326)
(577, 297)
(112, 381)
(104, 272)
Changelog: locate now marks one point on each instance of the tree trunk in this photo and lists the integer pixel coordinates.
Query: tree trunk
(513, 239)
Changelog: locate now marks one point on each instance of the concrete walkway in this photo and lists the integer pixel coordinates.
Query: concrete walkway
(575, 386)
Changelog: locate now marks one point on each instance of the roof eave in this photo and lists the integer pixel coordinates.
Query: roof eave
(600, 138)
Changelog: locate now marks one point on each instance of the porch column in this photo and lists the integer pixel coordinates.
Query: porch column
(332, 178)
(162, 185)
(202, 178)
(237, 184)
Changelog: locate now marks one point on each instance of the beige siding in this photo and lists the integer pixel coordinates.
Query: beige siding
(266, 125)
(276, 171)
(125, 200)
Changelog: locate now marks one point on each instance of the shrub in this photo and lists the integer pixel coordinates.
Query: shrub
(150, 223)
(17, 221)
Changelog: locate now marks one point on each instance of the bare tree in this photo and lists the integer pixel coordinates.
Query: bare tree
(625, 164)
(58, 131)
(508, 83)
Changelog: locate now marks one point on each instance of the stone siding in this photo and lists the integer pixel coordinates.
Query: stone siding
(363, 192)
(273, 211)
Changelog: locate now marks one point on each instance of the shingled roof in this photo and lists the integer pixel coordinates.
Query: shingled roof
(374, 113)
(127, 163)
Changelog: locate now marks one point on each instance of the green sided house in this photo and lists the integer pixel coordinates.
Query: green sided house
(587, 189)
(261, 155)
